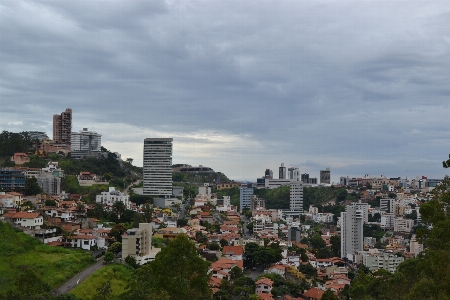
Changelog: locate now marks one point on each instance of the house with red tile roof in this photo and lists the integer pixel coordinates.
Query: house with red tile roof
(31, 220)
(313, 294)
(264, 285)
(20, 158)
(233, 252)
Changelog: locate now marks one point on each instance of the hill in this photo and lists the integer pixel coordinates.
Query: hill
(28, 267)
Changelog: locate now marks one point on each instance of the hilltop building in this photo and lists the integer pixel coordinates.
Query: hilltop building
(158, 167)
(62, 127)
(137, 243)
(85, 144)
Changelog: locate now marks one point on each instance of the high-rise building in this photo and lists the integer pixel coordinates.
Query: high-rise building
(268, 174)
(325, 176)
(294, 173)
(245, 195)
(352, 221)
(62, 127)
(282, 172)
(296, 196)
(85, 143)
(158, 167)
(305, 178)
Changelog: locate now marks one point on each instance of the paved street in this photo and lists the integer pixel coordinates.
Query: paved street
(77, 279)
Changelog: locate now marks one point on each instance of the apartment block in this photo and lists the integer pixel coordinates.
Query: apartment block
(137, 243)
(62, 127)
(352, 221)
(325, 176)
(158, 167)
(245, 194)
(85, 143)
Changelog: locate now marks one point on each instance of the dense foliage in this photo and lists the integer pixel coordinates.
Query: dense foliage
(178, 272)
(11, 142)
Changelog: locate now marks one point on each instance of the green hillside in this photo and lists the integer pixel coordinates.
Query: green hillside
(27, 266)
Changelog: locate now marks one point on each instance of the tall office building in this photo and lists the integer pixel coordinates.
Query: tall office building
(268, 174)
(325, 176)
(282, 172)
(62, 127)
(158, 167)
(245, 195)
(85, 143)
(305, 178)
(294, 173)
(352, 221)
(296, 196)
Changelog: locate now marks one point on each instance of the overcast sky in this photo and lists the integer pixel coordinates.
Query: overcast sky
(356, 86)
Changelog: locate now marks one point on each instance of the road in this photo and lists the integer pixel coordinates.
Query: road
(77, 279)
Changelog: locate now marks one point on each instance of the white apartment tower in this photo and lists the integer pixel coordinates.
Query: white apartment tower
(85, 143)
(352, 221)
(294, 173)
(245, 195)
(296, 196)
(158, 167)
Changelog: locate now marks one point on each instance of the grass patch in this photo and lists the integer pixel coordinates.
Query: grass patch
(118, 274)
(53, 265)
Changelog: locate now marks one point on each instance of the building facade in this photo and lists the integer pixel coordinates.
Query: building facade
(137, 243)
(62, 127)
(85, 143)
(296, 196)
(245, 195)
(282, 172)
(325, 176)
(352, 221)
(157, 167)
(12, 180)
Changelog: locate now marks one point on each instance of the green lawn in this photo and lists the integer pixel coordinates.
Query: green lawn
(52, 265)
(118, 274)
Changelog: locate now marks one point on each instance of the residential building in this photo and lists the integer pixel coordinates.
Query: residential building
(282, 172)
(85, 143)
(381, 260)
(137, 243)
(245, 194)
(387, 205)
(325, 176)
(37, 135)
(296, 196)
(31, 220)
(403, 225)
(62, 127)
(157, 167)
(305, 178)
(276, 183)
(264, 285)
(12, 180)
(20, 158)
(352, 221)
(111, 196)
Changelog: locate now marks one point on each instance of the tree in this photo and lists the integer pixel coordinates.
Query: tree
(115, 247)
(147, 210)
(329, 295)
(214, 246)
(32, 187)
(117, 231)
(129, 160)
(335, 241)
(223, 242)
(177, 272)
(250, 253)
(50, 203)
(28, 205)
(118, 207)
(182, 222)
(131, 261)
(109, 257)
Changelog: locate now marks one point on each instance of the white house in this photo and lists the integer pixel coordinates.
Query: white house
(26, 219)
(108, 198)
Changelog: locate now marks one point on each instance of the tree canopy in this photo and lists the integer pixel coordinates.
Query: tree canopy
(177, 272)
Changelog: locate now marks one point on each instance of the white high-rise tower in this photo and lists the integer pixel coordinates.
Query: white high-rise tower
(158, 167)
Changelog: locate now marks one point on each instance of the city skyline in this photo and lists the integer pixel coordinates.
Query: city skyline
(241, 87)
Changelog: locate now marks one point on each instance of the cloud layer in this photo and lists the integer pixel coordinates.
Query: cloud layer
(357, 86)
